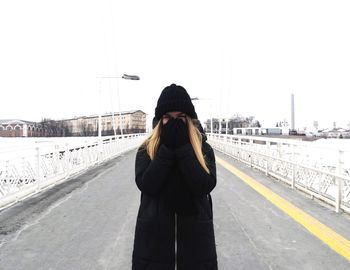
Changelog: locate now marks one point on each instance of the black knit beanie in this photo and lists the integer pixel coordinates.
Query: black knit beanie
(174, 98)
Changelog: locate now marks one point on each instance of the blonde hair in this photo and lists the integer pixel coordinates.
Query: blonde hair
(151, 144)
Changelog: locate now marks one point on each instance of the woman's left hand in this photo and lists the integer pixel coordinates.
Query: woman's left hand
(181, 137)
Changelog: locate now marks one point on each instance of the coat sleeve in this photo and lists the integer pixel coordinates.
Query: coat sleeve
(198, 180)
(151, 174)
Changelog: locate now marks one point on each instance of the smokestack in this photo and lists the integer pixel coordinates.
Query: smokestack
(292, 113)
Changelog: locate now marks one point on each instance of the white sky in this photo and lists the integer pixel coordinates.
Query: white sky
(244, 57)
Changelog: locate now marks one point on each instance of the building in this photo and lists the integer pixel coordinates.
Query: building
(340, 133)
(232, 124)
(20, 128)
(260, 131)
(129, 121)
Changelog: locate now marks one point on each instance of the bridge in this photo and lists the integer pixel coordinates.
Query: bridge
(73, 204)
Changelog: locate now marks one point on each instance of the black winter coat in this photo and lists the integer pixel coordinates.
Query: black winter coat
(175, 195)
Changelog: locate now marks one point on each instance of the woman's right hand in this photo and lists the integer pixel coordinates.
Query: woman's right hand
(174, 134)
(168, 133)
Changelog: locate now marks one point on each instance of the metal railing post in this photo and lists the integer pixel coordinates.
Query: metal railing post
(251, 152)
(239, 149)
(22, 176)
(38, 173)
(56, 158)
(7, 167)
(268, 154)
(293, 167)
(85, 154)
(66, 159)
(279, 150)
(339, 181)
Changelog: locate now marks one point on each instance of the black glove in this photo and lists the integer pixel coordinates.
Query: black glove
(174, 134)
(167, 134)
(181, 137)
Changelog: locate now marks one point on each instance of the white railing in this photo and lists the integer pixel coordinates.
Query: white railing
(30, 169)
(322, 172)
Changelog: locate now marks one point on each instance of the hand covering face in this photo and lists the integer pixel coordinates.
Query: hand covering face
(174, 134)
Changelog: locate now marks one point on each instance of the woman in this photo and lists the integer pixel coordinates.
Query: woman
(175, 171)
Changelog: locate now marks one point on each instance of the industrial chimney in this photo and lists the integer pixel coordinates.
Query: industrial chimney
(292, 113)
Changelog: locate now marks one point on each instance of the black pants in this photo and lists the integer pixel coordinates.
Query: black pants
(189, 245)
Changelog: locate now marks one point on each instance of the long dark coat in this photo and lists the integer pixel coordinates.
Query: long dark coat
(175, 196)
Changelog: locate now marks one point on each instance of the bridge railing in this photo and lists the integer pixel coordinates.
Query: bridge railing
(322, 172)
(28, 170)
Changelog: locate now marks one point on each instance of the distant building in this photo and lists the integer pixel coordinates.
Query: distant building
(261, 131)
(20, 128)
(232, 124)
(335, 133)
(131, 122)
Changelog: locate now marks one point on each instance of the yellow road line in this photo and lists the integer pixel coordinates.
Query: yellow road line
(334, 240)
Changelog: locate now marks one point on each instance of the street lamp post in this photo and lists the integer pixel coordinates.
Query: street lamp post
(125, 77)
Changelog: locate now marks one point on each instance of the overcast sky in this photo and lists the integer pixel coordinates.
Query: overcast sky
(240, 57)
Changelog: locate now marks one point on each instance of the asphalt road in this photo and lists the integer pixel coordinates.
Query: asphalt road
(88, 223)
